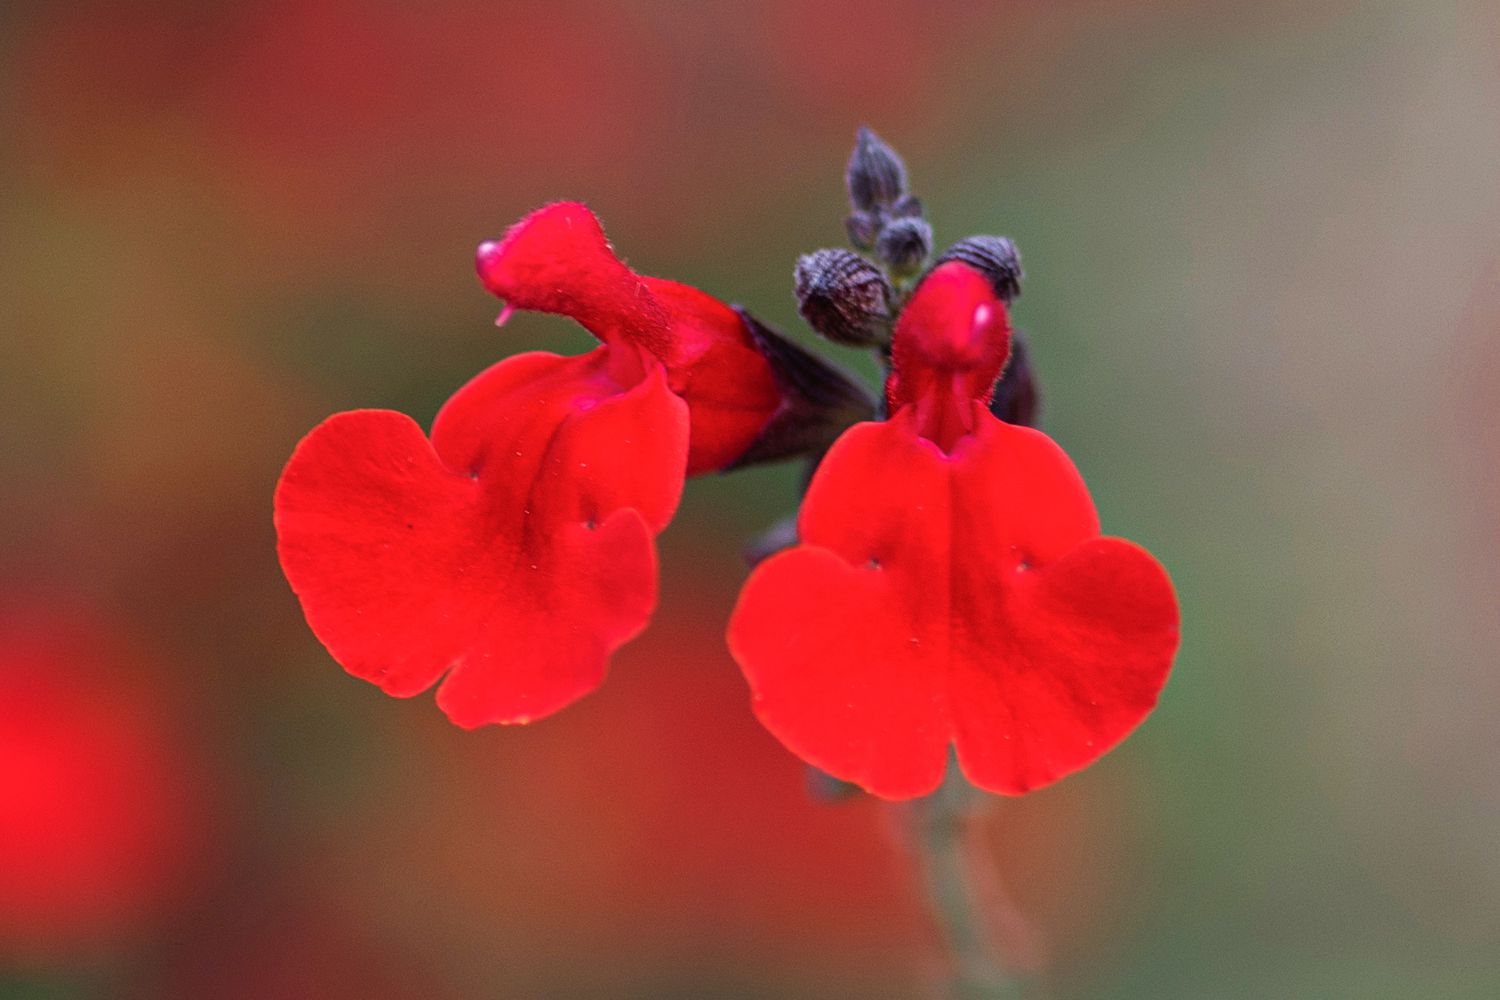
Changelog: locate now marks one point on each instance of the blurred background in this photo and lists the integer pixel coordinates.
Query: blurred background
(1263, 255)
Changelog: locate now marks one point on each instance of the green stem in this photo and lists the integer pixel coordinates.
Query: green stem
(957, 869)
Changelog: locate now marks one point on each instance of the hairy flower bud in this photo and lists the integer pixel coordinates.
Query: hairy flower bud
(904, 245)
(876, 175)
(995, 257)
(862, 228)
(844, 297)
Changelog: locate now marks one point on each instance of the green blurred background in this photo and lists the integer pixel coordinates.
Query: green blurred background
(1262, 244)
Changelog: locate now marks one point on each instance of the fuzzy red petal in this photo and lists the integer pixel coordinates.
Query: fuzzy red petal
(963, 599)
(948, 349)
(715, 365)
(558, 260)
(512, 552)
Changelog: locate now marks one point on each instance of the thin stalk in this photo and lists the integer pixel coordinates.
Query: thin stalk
(963, 892)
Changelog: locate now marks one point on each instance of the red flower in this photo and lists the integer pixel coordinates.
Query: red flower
(513, 551)
(951, 586)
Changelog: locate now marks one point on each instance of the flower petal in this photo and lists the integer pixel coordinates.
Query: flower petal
(514, 548)
(953, 598)
(831, 638)
(948, 349)
(715, 365)
(1087, 643)
(557, 260)
(629, 454)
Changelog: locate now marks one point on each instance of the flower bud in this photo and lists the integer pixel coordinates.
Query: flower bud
(1017, 399)
(862, 228)
(995, 257)
(876, 176)
(903, 245)
(844, 297)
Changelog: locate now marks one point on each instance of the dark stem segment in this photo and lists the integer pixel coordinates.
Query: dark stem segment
(963, 891)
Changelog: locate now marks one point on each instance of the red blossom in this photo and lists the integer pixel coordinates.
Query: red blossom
(951, 586)
(513, 551)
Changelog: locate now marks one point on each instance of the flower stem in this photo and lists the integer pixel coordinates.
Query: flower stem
(962, 888)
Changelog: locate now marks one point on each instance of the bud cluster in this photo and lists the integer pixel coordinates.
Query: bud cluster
(886, 217)
(855, 300)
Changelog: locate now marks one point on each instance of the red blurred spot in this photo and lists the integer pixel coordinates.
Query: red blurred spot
(101, 816)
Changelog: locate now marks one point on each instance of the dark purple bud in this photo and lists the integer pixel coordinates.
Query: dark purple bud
(876, 175)
(993, 256)
(844, 297)
(1017, 399)
(862, 228)
(903, 245)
